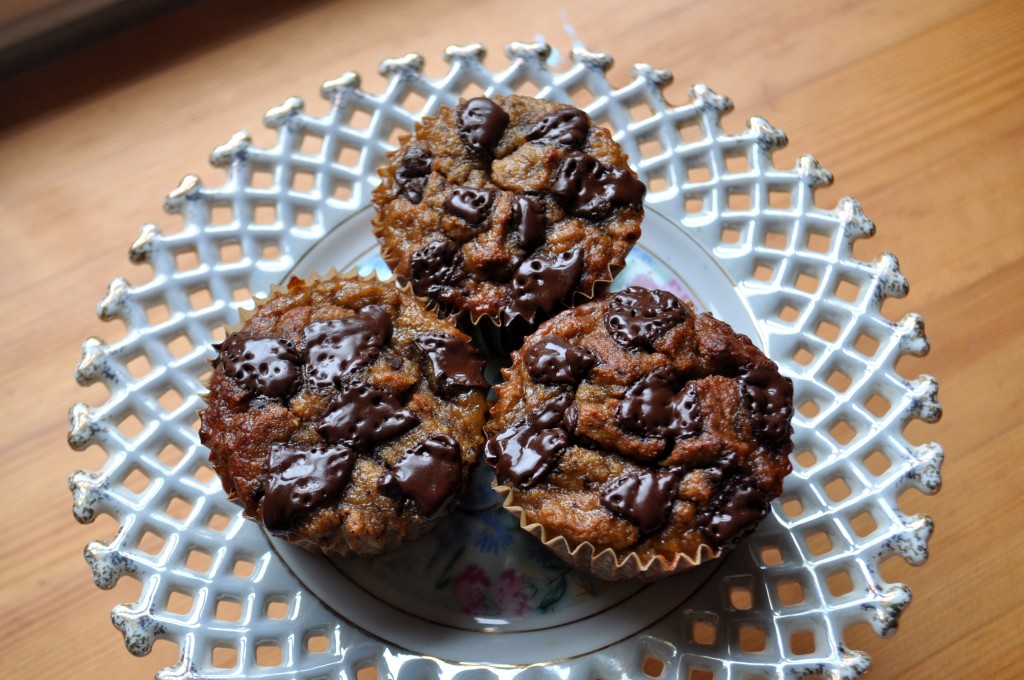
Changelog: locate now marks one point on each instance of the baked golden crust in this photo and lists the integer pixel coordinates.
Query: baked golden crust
(414, 209)
(716, 463)
(241, 428)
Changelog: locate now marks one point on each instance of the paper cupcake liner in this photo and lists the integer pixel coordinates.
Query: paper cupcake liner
(491, 334)
(497, 339)
(604, 563)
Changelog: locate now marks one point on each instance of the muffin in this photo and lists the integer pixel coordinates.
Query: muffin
(501, 212)
(344, 415)
(636, 438)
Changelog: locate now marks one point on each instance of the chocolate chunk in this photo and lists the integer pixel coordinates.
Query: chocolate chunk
(472, 205)
(727, 465)
(688, 419)
(588, 188)
(530, 449)
(769, 395)
(481, 124)
(555, 360)
(637, 317)
(261, 365)
(529, 221)
(648, 406)
(568, 127)
(644, 498)
(454, 361)
(735, 511)
(299, 479)
(363, 415)
(429, 474)
(654, 408)
(543, 282)
(571, 417)
(339, 347)
(412, 173)
(435, 270)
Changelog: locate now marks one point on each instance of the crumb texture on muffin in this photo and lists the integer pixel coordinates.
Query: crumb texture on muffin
(509, 209)
(344, 414)
(631, 423)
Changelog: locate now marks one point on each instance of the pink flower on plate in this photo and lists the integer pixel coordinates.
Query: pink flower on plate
(510, 594)
(471, 590)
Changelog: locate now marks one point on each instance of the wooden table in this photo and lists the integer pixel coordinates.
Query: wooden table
(915, 106)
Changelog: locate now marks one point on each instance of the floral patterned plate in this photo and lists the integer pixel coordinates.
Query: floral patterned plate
(477, 598)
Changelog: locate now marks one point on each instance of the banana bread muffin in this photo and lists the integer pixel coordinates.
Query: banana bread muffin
(344, 414)
(503, 211)
(637, 438)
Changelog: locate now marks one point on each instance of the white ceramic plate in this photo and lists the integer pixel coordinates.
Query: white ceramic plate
(477, 598)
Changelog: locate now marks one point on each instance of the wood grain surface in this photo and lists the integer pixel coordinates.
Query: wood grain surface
(915, 106)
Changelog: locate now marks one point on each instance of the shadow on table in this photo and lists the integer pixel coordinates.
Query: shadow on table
(130, 52)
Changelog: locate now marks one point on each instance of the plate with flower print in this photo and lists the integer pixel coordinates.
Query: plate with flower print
(477, 598)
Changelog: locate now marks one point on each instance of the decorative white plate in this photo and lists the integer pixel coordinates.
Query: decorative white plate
(477, 598)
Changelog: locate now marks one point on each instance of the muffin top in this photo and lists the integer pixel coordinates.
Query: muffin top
(507, 208)
(634, 424)
(345, 414)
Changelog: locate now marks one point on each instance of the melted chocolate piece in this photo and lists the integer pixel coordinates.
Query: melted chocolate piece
(454, 361)
(727, 465)
(472, 205)
(481, 124)
(652, 407)
(555, 360)
(428, 474)
(637, 317)
(542, 283)
(647, 407)
(568, 127)
(588, 188)
(261, 365)
(435, 270)
(769, 395)
(412, 173)
(688, 421)
(299, 479)
(735, 511)
(529, 220)
(644, 498)
(339, 347)
(530, 449)
(363, 415)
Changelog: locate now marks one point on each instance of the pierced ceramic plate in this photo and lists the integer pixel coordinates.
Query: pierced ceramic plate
(477, 598)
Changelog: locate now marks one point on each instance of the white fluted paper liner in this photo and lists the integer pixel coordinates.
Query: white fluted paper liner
(494, 338)
(604, 563)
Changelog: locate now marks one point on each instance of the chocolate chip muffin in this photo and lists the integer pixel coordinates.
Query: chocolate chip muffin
(344, 414)
(501, 212)
(637, 438)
